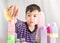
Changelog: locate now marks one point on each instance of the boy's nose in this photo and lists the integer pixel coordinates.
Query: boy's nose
(32, 18)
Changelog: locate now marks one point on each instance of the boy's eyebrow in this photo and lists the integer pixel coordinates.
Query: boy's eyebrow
(28, 12)
(35, 14)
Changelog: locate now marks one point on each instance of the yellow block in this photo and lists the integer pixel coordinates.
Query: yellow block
(52, 35)
(8, 17)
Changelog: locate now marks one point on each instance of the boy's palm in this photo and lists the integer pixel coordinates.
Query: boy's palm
(12, 11)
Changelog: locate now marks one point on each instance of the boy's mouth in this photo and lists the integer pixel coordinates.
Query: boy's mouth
(31, 22)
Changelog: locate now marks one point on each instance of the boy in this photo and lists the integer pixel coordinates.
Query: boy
(27, 30)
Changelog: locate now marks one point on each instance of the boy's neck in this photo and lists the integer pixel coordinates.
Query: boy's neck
(31, 28)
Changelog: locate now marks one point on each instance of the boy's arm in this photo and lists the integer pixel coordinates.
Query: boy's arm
(18, 25)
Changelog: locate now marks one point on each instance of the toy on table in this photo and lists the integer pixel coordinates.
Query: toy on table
(52, 33)
(41, 35)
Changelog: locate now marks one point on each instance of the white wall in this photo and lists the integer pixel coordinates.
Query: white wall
(51, 9)
(3, 23)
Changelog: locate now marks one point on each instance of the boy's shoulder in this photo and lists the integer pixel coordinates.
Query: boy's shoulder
(19, 22)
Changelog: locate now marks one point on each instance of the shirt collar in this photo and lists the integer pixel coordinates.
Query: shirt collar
(29, 30)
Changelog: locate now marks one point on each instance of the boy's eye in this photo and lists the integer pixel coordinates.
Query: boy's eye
(34, 15)
(29, 15)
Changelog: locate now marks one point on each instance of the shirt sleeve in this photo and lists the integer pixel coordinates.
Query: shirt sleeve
(19, 29)
(18, 26)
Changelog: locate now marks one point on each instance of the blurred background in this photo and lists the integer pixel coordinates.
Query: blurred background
(51, 9)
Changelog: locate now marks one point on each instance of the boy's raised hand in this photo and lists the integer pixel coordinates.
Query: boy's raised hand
(11, 12)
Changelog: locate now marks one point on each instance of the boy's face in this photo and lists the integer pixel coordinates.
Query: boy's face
(32, 17)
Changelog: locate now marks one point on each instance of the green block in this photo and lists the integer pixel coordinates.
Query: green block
(11, 39)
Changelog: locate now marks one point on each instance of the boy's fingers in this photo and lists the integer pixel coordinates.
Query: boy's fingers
(11, 10)
(9, 7)
(14, 8)
(16, 12)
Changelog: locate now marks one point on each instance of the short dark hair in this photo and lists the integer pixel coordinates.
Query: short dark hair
(32, 7)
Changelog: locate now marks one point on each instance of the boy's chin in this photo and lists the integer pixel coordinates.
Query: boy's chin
(32, 24)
